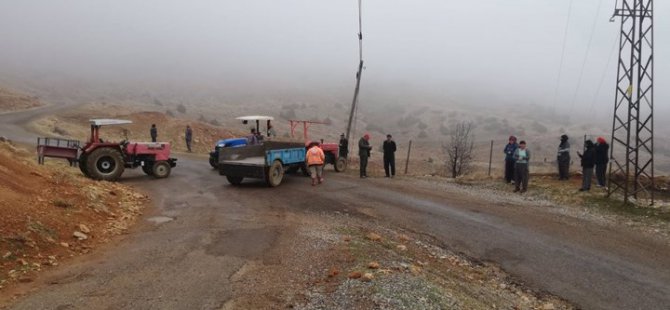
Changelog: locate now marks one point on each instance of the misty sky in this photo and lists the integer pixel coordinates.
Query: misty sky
(502, 51)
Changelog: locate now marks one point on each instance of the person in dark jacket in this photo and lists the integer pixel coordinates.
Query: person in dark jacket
(588, 161)
(364, 149)
(509, 158)
(153, 132)
(344, 146)
(563, 158)
(389, 156)
(188, 136)
(602, 158)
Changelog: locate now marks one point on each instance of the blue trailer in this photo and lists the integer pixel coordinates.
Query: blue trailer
(268, 161)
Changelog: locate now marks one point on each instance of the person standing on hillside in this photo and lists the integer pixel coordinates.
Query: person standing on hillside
(602, 158)
(364, 149)
(563, 158)
(510, 148)
(188, 136)
(344, 146)
(389, 156)
(521, 173)
(153, 132)
(315, 160)
(588, 161)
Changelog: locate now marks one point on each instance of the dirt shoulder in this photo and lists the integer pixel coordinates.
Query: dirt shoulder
(51, 213)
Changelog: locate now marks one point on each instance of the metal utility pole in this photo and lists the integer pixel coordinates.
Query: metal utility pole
(359, 73)
(631, 170)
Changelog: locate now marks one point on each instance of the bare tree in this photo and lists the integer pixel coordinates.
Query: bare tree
(459, 149)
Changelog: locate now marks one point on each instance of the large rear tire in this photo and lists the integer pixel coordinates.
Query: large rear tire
(275, 174)
(341, 164)
(161, 169)
(105, 164)
(234, 180)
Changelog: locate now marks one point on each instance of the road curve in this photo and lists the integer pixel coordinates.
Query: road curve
(213, 229)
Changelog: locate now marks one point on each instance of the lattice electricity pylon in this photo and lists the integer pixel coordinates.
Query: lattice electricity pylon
(631, 169)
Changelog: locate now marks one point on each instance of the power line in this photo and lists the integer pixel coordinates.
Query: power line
(560, 66)
(586, 57)
(605, 71)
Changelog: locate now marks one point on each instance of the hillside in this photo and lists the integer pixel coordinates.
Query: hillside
(50, 214)
(13, 101)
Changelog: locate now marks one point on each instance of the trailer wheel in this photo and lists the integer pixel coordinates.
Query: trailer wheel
(341, 164)
(148, 168)
(275, 174)
(105, 164)
(161, 169)
(234, 180)
(82, 164)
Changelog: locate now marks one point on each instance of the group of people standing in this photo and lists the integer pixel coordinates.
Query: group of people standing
(596, 155)
(188, 135)
(364, 149)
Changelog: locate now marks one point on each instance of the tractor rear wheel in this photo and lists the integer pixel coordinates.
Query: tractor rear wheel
(161, 169)
(82, 164)
(148, 168)
(275, 174)
(105, 163)
(234, 180)
(341, 164)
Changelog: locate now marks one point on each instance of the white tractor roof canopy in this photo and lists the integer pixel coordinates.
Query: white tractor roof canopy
(255, 117)
(106, 122)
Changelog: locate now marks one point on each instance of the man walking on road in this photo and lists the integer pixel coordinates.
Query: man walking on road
(364, 153)
(563, 158)
(153, 132)
(389, 156)
(315, 160)
(188, 136)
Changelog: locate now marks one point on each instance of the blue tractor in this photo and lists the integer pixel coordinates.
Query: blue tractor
(233, 142)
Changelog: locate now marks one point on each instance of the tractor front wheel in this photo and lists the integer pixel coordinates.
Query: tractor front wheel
(213, 162)
(105, 164)
(161, 169)
(341, 164)
(275, 174)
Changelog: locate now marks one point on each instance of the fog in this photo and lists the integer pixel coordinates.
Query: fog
(463, 52)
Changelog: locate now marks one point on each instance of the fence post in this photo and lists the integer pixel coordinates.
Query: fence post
(490, 157)
(409, 149)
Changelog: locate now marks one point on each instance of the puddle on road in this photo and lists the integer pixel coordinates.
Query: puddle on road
(160, 219)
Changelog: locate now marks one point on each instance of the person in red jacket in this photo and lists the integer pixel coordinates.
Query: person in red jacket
(315, 159)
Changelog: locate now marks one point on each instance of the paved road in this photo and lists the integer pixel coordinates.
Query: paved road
(189, 262)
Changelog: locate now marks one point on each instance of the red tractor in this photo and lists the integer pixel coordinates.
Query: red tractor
(103, 160)
(331, 150)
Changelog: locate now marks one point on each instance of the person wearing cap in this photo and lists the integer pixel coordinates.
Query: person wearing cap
(602, 158)
(344, 146)
(389, 156)
(563, 158)
(315, 159)
(510, 148)
(364, 149)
